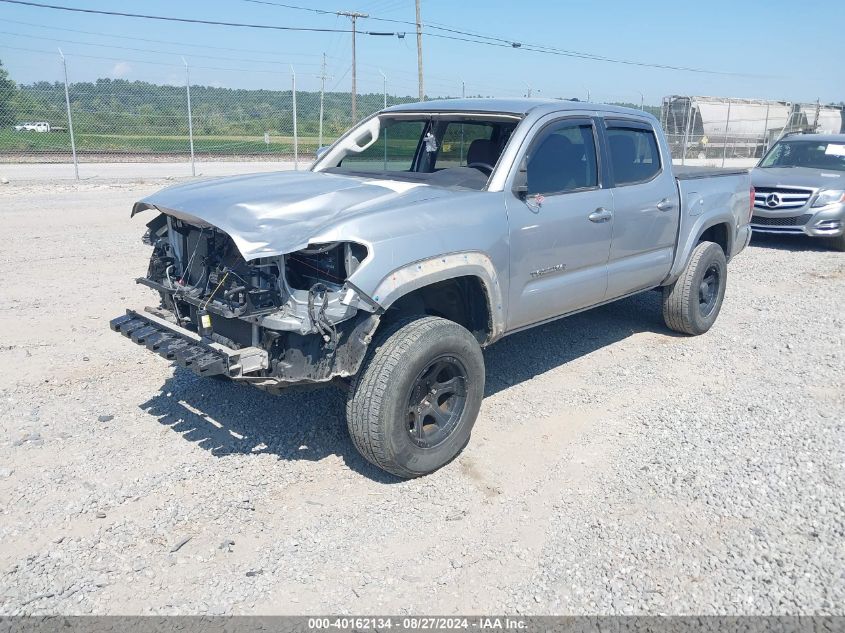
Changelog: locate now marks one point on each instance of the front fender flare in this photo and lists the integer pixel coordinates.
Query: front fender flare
(425, 272)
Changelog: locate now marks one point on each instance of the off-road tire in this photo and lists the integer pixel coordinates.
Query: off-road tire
(377, 407)
(682, 310)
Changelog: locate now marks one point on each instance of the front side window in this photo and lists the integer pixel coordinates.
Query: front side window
(806, 153)
(634, 155)
(564, 159)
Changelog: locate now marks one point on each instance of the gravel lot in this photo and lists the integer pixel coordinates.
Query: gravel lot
(615, 467)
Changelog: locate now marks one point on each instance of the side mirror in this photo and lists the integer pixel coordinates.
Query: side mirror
(322, 150)
(520, 181)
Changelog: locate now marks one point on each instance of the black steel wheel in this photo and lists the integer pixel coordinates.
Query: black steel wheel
(436, 402)
(693, 302)
(708, 290)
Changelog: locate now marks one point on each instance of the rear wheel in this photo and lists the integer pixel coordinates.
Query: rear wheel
(412, 406)
(693, 302)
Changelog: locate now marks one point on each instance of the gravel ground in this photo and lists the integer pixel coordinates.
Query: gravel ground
(615, 467)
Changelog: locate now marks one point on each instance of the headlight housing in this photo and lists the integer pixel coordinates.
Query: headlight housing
(327, 264)
(829, 196)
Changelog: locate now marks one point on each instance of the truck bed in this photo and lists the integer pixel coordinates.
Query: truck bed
(708, 198)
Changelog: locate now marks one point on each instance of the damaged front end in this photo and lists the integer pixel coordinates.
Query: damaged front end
(273, 321)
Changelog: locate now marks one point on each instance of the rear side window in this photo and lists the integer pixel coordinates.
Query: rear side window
(564, 159)
(633, 154)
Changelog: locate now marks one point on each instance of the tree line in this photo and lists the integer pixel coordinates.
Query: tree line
(118, 106)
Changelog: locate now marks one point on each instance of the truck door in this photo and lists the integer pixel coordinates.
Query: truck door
(645, 208)
(560, 224)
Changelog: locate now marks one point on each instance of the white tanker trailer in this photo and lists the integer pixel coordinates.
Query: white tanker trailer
(708, 127)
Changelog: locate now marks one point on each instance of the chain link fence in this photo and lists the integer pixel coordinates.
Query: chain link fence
(719, 129)
(114, 120)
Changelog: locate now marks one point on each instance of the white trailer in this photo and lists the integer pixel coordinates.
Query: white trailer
(714, 126)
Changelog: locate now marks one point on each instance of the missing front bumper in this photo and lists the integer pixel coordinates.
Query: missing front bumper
(186, 348)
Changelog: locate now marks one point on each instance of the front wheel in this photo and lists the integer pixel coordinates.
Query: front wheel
(413, 404)
(693, 302)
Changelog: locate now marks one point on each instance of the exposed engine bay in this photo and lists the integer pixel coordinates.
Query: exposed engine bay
(298, 308)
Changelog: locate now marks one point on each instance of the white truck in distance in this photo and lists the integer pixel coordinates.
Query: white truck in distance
(39, 126)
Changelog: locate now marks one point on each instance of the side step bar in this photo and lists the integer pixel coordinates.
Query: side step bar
(186, 348)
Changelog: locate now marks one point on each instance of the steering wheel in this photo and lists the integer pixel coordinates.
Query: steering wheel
(484, 168)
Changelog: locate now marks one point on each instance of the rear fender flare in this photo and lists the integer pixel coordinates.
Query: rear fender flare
(693, 235)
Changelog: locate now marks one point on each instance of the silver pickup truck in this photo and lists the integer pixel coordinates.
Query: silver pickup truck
(425, 233)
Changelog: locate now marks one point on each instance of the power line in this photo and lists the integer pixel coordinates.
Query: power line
(293, 6)
(372, 17)
(148, 50)
(491, 40)
(340, 79)
(443, 80)
(276, 27)
(147, 39)
(502, 43)
(142, 61)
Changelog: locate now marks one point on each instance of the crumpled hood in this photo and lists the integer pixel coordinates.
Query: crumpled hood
(797, 177)
(280, 212)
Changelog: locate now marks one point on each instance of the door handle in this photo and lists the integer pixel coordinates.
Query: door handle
(600, 215)
(665, 205)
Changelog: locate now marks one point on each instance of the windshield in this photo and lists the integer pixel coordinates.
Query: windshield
(813, 154)
(447, 149)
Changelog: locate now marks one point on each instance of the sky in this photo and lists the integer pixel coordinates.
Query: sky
(772, 49)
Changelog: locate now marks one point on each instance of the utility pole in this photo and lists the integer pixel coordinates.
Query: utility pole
(69, 118)
(354, 15)
(295, 130)
(190, 118)
(384, 77)
(419, 54)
